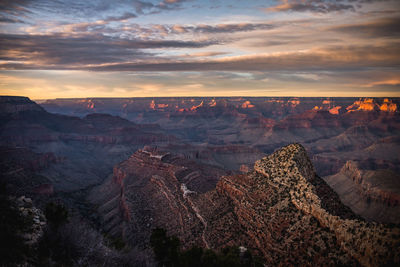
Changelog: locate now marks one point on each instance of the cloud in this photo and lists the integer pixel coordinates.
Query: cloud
(64, 51)
(14, 7)
(330, 59)
(10, 20)
(228, 28)
(204, 28)
(315, 6)
(391, 82)
(203, 54)
(125, 16)
(173, 1)
(171, 4)
(386, 27)
(88, 9)
(108, 54)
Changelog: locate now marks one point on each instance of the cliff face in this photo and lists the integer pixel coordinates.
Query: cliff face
(151, 189)
(75, 153)
(268, 219)
(281, 210)
(387, 191)
(285, 209)
(375, 195)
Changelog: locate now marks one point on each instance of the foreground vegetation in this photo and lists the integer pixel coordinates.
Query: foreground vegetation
(168, 253)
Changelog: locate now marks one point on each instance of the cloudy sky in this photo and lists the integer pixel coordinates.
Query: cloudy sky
(100, 48)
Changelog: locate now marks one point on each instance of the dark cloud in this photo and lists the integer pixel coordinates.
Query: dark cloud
(14, 7)
(125, 16)
(10, 20)
(204, 28)
(388, 27)
(141, 6)
(86, 8)
(100, 53)
(316, 6)
(59, 50)
(228, 28)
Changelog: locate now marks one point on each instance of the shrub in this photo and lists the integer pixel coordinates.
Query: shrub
(56, 214)
(168, 253)
(12, 225)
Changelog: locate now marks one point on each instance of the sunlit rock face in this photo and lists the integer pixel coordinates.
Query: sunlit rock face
(335, 110)
(388, 106)
(197, 106)
(366, 104)
(293, 102)
(212, 103)
(152, 104)
(88, 103)
(247, 104)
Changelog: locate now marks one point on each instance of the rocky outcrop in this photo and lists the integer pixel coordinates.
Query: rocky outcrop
(277, 203)
(370, 243)
(281, 210)
(35, 216)
(266, 219)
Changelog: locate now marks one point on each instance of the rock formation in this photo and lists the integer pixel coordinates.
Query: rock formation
(151, 189)
(282, 210)
(15, 104)
(374, 194)
(35, 216)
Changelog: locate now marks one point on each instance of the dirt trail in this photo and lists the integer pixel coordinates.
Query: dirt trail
(185, 192)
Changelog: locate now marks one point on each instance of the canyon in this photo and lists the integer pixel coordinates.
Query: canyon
(281, 210)
(232, 133)
(217, 172)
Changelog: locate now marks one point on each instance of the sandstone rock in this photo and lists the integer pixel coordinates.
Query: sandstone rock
(281, 210)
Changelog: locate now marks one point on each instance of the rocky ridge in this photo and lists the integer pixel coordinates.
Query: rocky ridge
(370, 243)
(281, 210)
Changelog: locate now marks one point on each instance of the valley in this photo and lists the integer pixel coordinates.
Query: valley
(212, 172)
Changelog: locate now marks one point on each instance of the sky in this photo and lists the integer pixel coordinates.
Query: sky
(137, 48)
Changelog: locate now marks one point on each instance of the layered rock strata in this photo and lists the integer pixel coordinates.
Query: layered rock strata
(151, 189)
(281, 210)
(374, 194)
